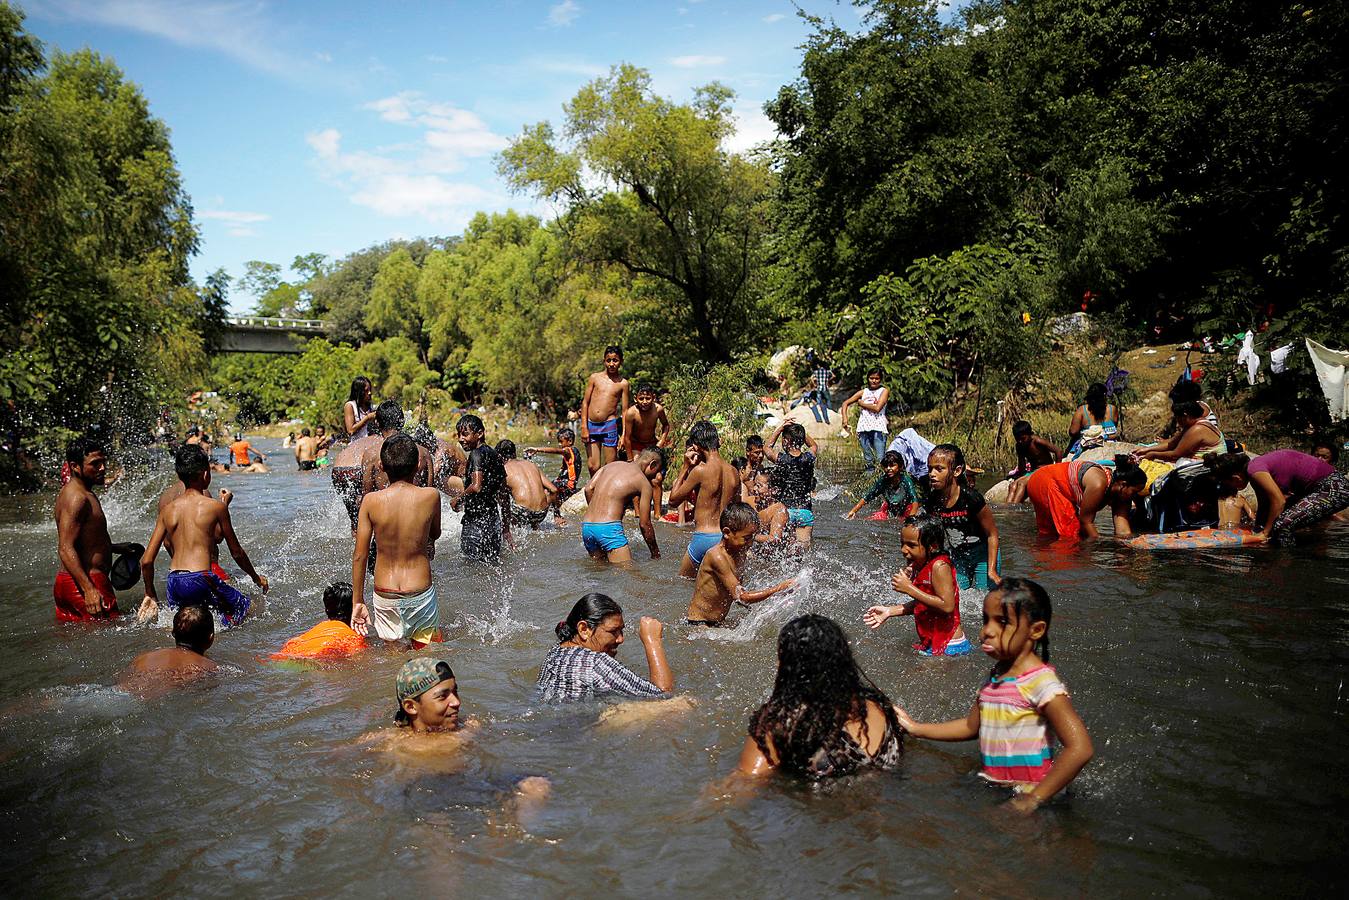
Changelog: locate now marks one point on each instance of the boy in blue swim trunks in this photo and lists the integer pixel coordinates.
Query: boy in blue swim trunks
(191, 524)
(606, 397)
(617, 487)
(713, 483)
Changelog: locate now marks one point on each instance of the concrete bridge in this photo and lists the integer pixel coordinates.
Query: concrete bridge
(264, 334)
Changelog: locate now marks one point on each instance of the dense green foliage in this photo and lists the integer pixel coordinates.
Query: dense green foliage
(100, 320)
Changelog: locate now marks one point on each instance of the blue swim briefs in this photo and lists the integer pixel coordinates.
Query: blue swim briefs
(700, 543)
(605, 433)
(603, 536)
(800, 518)
(205, 588)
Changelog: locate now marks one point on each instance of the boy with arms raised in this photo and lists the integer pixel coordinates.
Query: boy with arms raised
(404, 520)
(191, 524)
(616, 487)
(606, 397)
(718, 585)
(716, 482)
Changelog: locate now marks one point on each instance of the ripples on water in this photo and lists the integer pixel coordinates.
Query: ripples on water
(1212, 684)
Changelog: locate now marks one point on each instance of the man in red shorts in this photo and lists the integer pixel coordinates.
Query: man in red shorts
(82, 591)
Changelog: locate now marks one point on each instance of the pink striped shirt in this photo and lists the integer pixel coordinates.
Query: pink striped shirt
(1013, 732)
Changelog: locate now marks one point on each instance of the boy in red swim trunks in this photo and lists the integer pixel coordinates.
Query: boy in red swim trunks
(192, 524)
(82, 590)
(602, 407)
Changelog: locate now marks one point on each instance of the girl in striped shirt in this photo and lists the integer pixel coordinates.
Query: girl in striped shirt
(1022, 702)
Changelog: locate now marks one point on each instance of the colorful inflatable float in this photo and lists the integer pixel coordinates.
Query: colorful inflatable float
(1199, 538)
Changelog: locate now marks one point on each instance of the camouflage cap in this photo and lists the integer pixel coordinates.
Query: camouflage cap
(420, 675)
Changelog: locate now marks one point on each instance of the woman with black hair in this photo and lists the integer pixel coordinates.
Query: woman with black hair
(1095, 411)
(582, 665)
(358, 412)
(1068, 495)
(825, 717)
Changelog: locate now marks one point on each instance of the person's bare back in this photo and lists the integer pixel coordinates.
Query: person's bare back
(613, 490)
(352, 454)
(193, 523)
(527, 486)
(155, 673)
(404, 521)
(373, 477)
(306, 449)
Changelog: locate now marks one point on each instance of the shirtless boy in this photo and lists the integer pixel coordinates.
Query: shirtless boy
(404, 520)
(191, 524)
(617, 487)
(531, 493)
(754, 477)
(718, 585)
(606, 397)
(717, 484)
(568, 477)
(389, 420)
(306, 451)
(82, 590)
(1032, 452)
(348, 471)
(153, 673)
(641, 421)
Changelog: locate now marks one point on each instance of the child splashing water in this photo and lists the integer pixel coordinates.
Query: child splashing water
(931, 583)
(971, 534)
(1022, 702)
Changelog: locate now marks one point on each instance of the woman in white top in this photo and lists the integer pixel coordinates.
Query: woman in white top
(358, 412)
(873, 429)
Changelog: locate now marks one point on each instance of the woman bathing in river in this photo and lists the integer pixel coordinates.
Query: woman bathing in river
(1294, 489)
(1068, 495)
(582, 665)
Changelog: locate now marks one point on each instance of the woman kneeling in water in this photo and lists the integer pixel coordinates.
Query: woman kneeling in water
(583, 666)
(825, 718)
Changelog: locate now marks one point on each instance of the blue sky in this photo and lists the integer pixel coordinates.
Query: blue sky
(330, 126)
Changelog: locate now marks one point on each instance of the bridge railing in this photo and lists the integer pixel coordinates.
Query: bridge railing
(280, 323)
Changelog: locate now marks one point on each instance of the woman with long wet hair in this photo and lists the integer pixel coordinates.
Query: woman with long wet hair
(825, 718)
(358, 412)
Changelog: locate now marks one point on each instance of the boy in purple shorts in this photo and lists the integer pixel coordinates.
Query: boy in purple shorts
(606, 398)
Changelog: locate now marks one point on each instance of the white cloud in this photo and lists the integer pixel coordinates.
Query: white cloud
(696, 62)
(564, 13)
(326, 142)
(236, 29)
(450, 134)
(234, 217)
(241, 232)
(323, 57)
(775, 17)
(437, 58)
(752, 128)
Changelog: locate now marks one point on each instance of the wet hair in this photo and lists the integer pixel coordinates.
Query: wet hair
(304, 432)
(794, 435)
(1022, 429)
(1330, 444)
(650, 455)
(1021, 596)
(506, 448)
(190, 462)
(753, 442)
(470, 423)
(703, 435)
(892, 456)
(644, 389)
(1225, 465)
(931, 532)
(389, 416)
(337, 601)
(399, 456)
(1096, 400)
(193, 627)
(739, 462)
(443, 672)
(1188, 408)
(592, 609)
(614, 348)
(359, 385)
(81, 447)
(819, 688)
(1185, 389)
(738, 515)
(1127, 472)
(566, 433)
(957, 455)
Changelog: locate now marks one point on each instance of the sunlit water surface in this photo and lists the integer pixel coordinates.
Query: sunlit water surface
(1212, 684)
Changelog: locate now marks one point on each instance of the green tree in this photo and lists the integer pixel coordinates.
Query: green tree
(675, 206)
(394, 309)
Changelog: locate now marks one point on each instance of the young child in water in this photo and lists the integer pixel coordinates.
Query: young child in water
(1021, 703)
(930, 583)
(332, 638)
(894, 487)
(568, 477)
(971, 534)
(718, 586)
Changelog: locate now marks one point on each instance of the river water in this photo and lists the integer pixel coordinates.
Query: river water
(1212, 684)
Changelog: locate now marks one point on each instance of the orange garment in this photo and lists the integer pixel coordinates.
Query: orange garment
(1056, 493)
(329, 639)
(240, 450)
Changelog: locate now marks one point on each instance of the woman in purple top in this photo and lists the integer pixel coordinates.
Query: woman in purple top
(1294, 489)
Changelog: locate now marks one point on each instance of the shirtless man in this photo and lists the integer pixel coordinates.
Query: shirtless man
(348, 470)
(322, 440)
(389, 421)
(404, 520)
(531, 493)
(716, 482)
(754, 478)
(191, 524)
(606, 397)
(82, 590)
(718, 585)
(306, 451)
(616, 487)
(155, 672)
